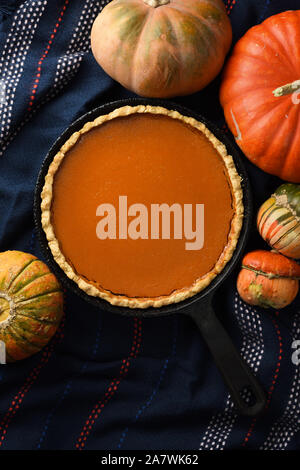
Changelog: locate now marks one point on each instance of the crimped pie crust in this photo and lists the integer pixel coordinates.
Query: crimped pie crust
(179, 294)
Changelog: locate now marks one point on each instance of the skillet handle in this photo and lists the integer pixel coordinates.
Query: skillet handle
(237, 375)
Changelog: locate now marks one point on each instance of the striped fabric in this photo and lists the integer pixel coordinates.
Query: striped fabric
(109, 382)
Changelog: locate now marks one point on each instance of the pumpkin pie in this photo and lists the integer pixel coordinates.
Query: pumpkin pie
(110, 175)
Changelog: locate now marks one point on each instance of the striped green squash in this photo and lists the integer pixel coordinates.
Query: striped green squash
(278, 220)
(31, 304)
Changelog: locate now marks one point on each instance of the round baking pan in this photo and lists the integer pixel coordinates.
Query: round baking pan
(246, 392)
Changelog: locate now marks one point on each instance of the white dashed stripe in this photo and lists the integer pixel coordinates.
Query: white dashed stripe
(221, 425)
(14, 53)
(288, 425)
(68, 64)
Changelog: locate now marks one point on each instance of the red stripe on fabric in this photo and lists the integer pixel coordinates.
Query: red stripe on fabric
(272, 387)
(113, 386)
(43, 57)
(31, 378)
(229, 6)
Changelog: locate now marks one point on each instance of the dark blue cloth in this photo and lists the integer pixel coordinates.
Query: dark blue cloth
(99, 380)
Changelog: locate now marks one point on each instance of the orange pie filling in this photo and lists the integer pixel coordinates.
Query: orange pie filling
(147, 156)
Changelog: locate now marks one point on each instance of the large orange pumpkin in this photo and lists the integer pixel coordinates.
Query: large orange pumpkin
(260, 95)
(31, 304)
(162, 48)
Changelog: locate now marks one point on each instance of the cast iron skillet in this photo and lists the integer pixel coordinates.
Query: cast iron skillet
(244, 388)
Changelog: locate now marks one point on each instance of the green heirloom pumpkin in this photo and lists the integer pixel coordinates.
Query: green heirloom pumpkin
(278, 220)
(162, 48)
(31, 304)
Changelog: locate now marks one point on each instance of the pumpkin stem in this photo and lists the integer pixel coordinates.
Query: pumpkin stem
(287, 89)
(270, 275)
(156, 3)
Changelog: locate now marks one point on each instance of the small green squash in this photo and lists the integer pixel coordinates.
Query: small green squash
(31, 304)
(278, 220)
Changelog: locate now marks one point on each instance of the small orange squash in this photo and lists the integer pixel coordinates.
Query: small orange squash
(268, 279)
(31, 304)
(162, 48)
(260, 95)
